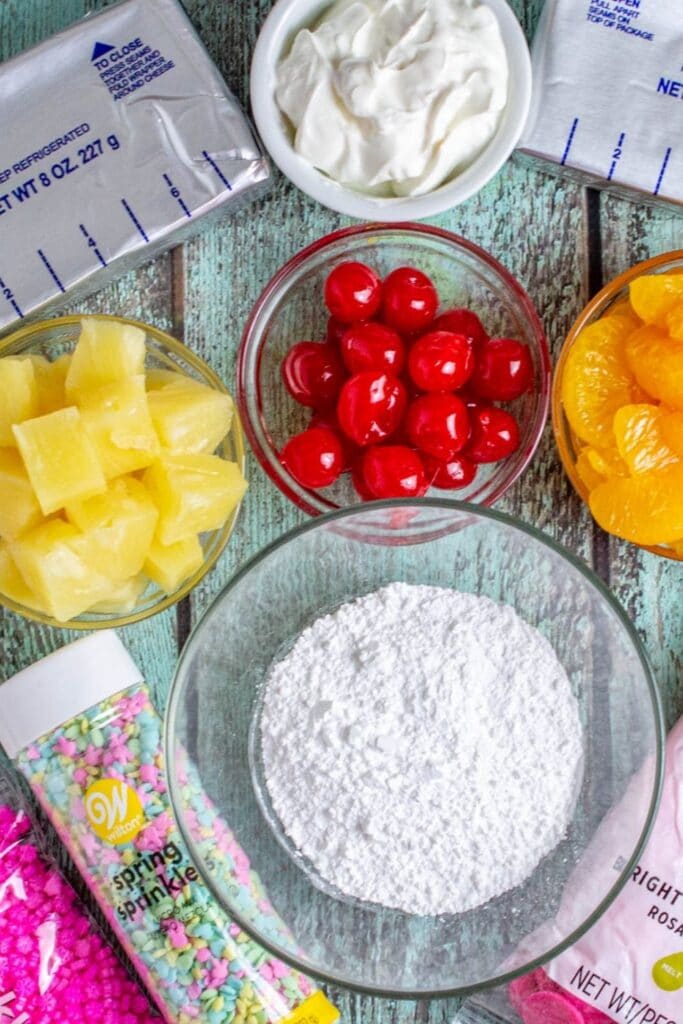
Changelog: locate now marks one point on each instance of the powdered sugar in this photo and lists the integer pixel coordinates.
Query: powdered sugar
(422, 747)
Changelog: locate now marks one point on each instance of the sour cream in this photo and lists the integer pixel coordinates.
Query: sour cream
(395, 97)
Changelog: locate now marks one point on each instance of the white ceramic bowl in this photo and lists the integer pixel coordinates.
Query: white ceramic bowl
(277, 33)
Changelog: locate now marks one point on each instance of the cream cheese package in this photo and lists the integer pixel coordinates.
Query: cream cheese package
(608, 91)
(118, 134)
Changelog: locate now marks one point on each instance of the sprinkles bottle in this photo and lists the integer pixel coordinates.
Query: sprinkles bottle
(81, 727)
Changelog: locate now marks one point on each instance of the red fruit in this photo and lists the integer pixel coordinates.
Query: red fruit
(335, 331)
(409, 300)
(494, 436)
(353, 292)
(393, 471)
(371, 406)
(327, 418)
(504, 370)
(456, 472)
(441, 361)
(462, 321)
(358, 480)
(313, 373)
(438, 424)
(313, 457)
(372, 346)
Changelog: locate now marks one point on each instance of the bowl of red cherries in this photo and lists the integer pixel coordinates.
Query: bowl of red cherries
(393, 361)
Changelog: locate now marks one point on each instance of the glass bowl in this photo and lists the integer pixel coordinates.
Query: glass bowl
(290, 308)
(603, 303)
(52, 338)
(213, 713)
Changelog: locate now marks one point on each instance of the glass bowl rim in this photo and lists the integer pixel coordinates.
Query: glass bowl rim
(589, 314)
(536, 535)
(312, 504)
(28, 334)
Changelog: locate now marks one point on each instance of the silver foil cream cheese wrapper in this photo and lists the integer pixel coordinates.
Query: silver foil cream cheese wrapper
(117, 136)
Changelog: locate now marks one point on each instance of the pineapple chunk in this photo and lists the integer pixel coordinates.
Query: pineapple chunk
(117, 528)
(13, 585)
(19, 508)
(157, 377)
(60, 459)
(19, 392)
(62, 581)
(193, 493)
(123, 597)
(190, 418)
(170, 565)
(106, 351)
(50, 378)
(117, 420)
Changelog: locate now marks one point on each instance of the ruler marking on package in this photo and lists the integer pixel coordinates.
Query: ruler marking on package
(9, 295)
(217, 169)
(616, 155)
(51, 270)
(92, 244)
(135, 220)
(570, 139)
(175, 192)
(662, 172)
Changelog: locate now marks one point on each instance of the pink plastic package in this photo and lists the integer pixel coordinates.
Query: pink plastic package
(628, 968)
(54, 964)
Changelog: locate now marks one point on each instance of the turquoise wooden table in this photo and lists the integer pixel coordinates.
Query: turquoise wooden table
(562, 242)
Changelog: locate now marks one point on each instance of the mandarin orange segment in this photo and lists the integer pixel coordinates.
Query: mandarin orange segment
(645, 509)
(597, 379)
(640, 440)
(657, 363)
(674, 322)
(672, 429)
(607, 462)
(586, 471)
(653, 296)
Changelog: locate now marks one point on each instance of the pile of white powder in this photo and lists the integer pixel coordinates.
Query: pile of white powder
(422, 747)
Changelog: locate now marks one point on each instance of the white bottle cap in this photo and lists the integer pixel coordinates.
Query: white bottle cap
(64, 684)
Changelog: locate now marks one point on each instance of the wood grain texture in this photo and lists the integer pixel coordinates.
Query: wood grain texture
(556, 239)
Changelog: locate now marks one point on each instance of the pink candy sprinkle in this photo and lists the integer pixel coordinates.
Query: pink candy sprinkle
(549, 1008)
(66, 747)
(52, 961)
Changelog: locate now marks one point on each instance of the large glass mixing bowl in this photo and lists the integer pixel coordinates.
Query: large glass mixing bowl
(213, 718)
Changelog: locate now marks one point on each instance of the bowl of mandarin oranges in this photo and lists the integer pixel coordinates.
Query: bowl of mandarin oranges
(393, 361)
(618, 406)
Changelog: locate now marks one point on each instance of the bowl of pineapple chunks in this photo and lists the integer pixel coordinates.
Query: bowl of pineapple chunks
(121, 471)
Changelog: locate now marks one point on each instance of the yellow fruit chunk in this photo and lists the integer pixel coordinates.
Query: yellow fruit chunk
(50, 377)
(169, 565)
(645, 509)
(117, 528)
(672, 430)
(190, 418)
(19, 508)
(654, 295)
(60, 459)
(157, 377)
(62, 581)
(118, 422)
(597, 380)
(122, 598)
(193, 493)
(657, 362)
(18, 395)
(640, 440)
(12, 583)
(674, 322)
(106, 352)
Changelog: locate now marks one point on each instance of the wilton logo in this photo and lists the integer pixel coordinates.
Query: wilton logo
(114, 811)
(6, 1011)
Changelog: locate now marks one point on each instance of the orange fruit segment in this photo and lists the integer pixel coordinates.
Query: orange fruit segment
(674, 322)
(645, 509)
(657, 363)
(672, 429)
(597, 379)
(640, 440)
(653, 296)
